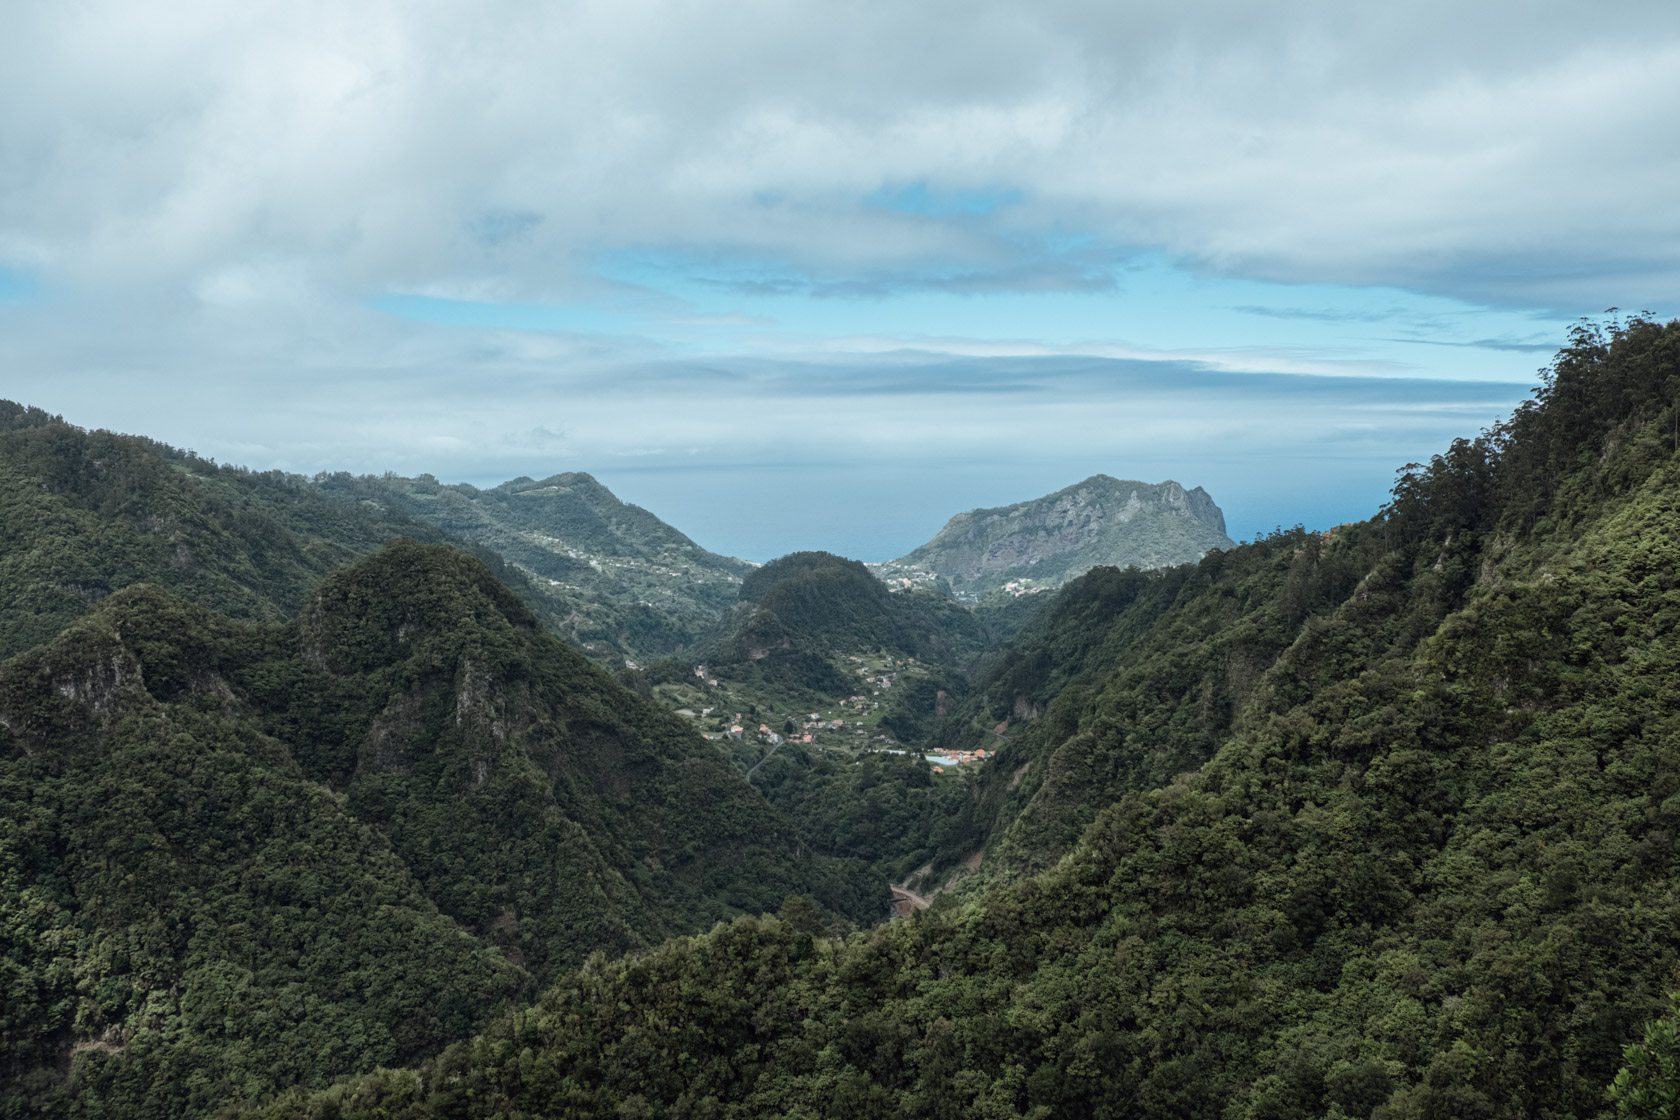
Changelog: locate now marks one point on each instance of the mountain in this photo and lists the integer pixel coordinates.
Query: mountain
(239, 855)
(1419, 861)
(1041, 544)
(84, 514)
(811, 624)
(621, 581)
(800, 613)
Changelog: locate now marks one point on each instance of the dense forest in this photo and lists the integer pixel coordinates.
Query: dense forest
(791, 642)
(1377, 822)
(1371, 823)
(797, 615)
(240, 855)
(83, 514)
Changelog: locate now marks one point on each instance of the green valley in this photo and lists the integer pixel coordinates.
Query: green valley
(1374, 823)
(1377, 822)
(205, 814)
(692, 560)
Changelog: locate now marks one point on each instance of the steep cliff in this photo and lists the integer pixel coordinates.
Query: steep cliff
(1041, 544)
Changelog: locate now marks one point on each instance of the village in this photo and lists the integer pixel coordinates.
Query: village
(956, 758)
(737, 717)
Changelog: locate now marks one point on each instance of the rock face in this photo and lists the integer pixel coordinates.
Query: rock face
(1041, 544)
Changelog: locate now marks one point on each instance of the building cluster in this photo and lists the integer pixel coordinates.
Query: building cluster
(957, 758)
(861, 703)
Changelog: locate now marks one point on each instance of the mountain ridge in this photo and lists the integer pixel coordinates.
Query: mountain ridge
(1039, 544)
(621, 582)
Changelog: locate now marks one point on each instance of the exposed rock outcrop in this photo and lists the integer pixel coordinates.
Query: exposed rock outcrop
(1041, 544)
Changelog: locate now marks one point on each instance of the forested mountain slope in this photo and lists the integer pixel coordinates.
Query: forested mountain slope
(1427, 870)
(620, 580)
(1130, 678)
(798, 615)
(83, 514)
(237, 855)
(1140, 676)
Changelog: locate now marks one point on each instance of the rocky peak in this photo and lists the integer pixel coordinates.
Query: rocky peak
(1040, 544)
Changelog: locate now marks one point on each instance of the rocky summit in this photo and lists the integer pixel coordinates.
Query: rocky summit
(1041, 544)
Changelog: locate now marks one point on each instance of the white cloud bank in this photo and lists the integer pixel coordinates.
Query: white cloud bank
(1500, 152)
(722, 221)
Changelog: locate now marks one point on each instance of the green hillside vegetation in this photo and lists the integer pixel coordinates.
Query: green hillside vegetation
(809, 625)
(458, 721)
(836, 605)
(801, 615)
(882, 807)
(1427, 868)
(991, 555)
(188, 919)
(239, 855)
(83, 514)
(1130, 678)
(817, 635)
(621, 581)
(1004, 618)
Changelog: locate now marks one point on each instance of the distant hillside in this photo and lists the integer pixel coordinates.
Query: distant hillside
(800, 614)
(84, 514)
(621, 581)
(852, 675)
(1041, 544)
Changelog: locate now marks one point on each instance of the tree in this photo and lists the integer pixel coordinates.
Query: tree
(1648, 1084)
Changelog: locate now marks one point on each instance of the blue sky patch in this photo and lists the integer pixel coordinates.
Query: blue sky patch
(920, 199)
(18, 287)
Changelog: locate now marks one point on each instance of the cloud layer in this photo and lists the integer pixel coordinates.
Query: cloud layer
(802, 274)
(1507, 153)
(863, 453)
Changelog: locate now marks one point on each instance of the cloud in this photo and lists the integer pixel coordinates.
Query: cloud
(1531, 346)
(1320, 315)
(918, 198)
(950, 244)
(1502, 152)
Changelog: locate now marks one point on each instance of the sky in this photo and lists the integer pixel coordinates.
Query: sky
(812, 275)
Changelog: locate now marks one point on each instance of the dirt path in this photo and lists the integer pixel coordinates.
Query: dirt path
(906, 901)
(763, 760)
